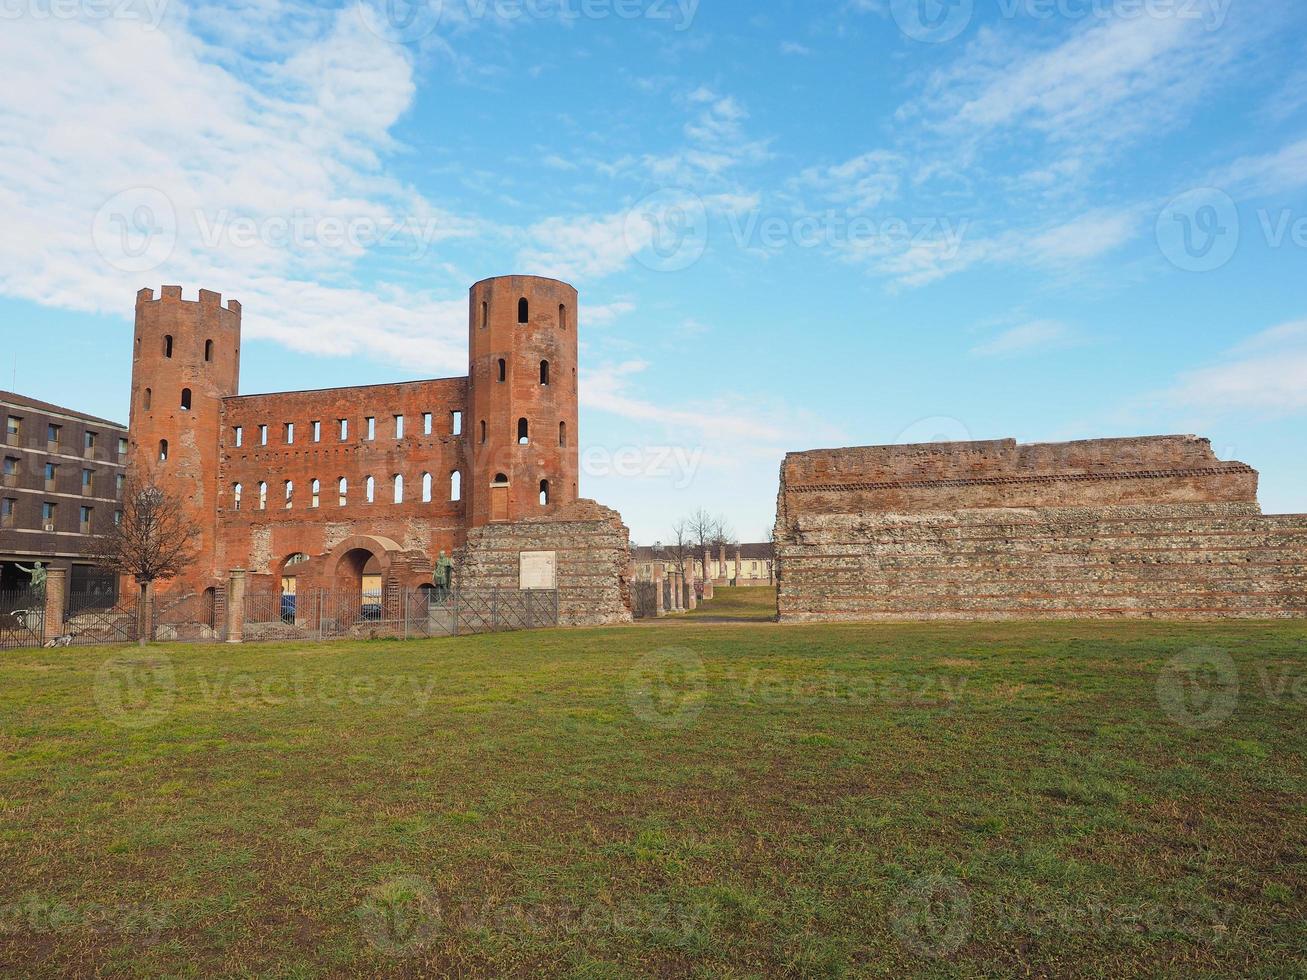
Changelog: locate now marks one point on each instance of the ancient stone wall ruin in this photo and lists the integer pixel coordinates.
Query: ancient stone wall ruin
(592, 549)
(1150, 527)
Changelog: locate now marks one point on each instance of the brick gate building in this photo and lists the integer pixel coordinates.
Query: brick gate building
(322, 489)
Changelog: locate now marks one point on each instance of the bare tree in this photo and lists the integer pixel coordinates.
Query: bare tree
(155, 539)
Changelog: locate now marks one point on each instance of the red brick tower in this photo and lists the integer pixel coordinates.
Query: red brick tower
(186, 359)
(522, 402)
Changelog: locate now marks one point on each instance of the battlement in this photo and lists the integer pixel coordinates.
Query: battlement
(173, 294)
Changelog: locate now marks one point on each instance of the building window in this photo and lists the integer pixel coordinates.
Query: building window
(344, 429)
(562, 433)
(122, 447)
(317, 431)
(523, 311)
(399, 488)
(503, 370)
(8, 512)
(342, 492)
(523, 432)
(544, 493)
(263, 435)
(456, 486)
(119, 482)
(13, 430)
(315, 492)
(290, 494)
(372, 428)
(500, 480)
(399, 427)
(562, 317)
(239, 433)
(167, 345)
(288, 430)
(52, 433)
(544, 373)
(426, 488)
(51, 471)
(88, 482)
(88, 441)
(236, 492)
(163, 450)
(370, 490)
(11, 471)
(84, 519)
(117, 518)
(427, 423)
(483, 432)
(147, 400)
(48, 513)
(263, 496)
(208, 351)
(186, 399)
(456, 423)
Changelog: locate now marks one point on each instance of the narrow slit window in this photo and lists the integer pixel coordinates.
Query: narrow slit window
(163, 450)
(239, 434)
(523, 311)
(456, 423)
(428, 421)
(208, 351)
(426, 488)
(290, 433)
(342, 492)
(370, 490)
(372, 428)
(317, 431)
(562, 317)
(455, 486)
(485, 315)
(399, 488)
(523, 432)
(263, 435)
(544, 372)
(544, 493)
(236, 497)
(344, 429)
(263, 496)
(186, 399)
(167, 345)
(290, 495)
(483, 432)
(503, 370)
(315, 494)
(149, 398)
(399, 427)
(562, 433)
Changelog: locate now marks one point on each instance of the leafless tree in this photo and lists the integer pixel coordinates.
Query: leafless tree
(155, 539)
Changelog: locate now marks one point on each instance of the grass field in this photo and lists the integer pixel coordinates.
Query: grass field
(682, 799)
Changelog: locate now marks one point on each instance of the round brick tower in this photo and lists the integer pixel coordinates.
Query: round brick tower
(522, 430)
(186, 359)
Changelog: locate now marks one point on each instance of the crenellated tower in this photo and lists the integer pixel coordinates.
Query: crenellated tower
(522, 431)
(186, 360)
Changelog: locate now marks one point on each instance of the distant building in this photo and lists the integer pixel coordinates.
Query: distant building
(727, 565)
(63, 479)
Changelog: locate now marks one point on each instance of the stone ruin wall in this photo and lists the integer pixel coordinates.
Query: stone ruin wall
(593, 548)
(1150, 527)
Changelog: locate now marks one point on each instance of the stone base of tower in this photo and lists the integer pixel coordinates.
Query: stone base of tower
(585, 547)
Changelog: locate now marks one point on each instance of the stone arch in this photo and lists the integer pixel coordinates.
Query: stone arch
(344, 566)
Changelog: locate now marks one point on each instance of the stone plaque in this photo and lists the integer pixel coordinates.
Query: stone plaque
(539, 570)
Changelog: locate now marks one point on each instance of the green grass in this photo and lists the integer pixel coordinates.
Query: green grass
(757, 605)
(689, 800)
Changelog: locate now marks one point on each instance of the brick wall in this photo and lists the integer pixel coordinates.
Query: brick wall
(1140, 527)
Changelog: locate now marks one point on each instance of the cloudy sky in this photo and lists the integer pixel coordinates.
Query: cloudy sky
(793, 225)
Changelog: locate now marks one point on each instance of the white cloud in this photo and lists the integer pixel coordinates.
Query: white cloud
(1026, 338)
(1266, 374)
(795, 48)
(601, 315)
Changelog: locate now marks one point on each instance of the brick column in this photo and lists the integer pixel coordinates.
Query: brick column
(721, 572)
(236, 605)
(56, 595)
(660, 609)
(691, 600)
(707, 575)
(737, 566)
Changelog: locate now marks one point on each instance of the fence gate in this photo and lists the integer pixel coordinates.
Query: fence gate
(22, 620)
(94, 620)
(187, 618)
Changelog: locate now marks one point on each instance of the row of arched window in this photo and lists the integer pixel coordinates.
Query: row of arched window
(501, 372)
(168, 346)
(287, 501)
(523, 313)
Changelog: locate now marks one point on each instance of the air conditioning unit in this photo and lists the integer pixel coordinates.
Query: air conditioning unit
(49, 529)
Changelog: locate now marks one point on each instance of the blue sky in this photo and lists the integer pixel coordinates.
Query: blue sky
(793, 225)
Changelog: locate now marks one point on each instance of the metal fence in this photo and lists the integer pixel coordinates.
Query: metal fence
(93, 620)
(416, 614)
(187, 618)
(22, 619)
